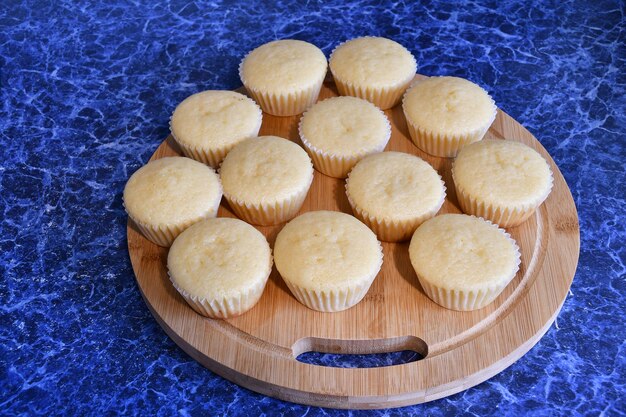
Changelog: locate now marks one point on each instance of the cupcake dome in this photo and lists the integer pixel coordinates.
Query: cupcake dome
(327, 259)
(501, 180)
(220, 266)
(208, 124)
(393, 193)
(166, 196)
(463, 262)
(376, 69)
(339, 131)
(284, 76)
(443, 114)
(266, 179)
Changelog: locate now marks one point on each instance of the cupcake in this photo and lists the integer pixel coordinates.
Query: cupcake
(340, 131)
(378, 70)
(327, 259)
(220, 266)
(443, 114)
(166, 196)
(266, 179)
(285, 76)
(501, 180)
(393, 193)
(463, 262)
(207, 125)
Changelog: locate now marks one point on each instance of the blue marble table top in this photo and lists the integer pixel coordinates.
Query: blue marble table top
(86, 90)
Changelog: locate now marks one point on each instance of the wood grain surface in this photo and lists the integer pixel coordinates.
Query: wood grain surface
(258, 349)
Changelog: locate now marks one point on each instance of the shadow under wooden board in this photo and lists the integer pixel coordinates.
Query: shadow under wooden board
(258, 349)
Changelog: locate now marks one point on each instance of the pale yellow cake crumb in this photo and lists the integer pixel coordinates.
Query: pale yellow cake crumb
(373, 61)
(503, 173)
(283, 65)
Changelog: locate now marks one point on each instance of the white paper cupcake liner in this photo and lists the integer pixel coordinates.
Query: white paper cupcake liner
(384, 97)
(461, 300)
(164, 235)
(284, 104)
(160, 235)
(332, 165)
(445, 145)
(212, 156)
(333, 300)
(225, 307)
(504, 216)
(394, 230)
(338, 166)
(329, 301)
(265, 214)
(466, 300)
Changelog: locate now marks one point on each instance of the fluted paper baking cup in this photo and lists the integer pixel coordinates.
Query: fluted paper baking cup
(265, 214)
(212, 156)
(329, 301)
(225, 307)
(384, 98)
(461, 300)
(391, 230)
(332, 165)
(163, 235)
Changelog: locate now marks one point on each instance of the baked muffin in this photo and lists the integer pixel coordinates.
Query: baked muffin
(207, 125)
(220, 266)
(328, 259)
(266, 179)
(443, 114)
(378, 70)
(463, 262)
(339, 131)
(393, 193)
(284, 76)
(166, 196)
(501, 180)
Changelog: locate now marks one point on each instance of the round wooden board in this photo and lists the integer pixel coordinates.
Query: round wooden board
(258, 349)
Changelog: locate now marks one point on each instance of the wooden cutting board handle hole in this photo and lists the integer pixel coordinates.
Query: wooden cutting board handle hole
(360, 347)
